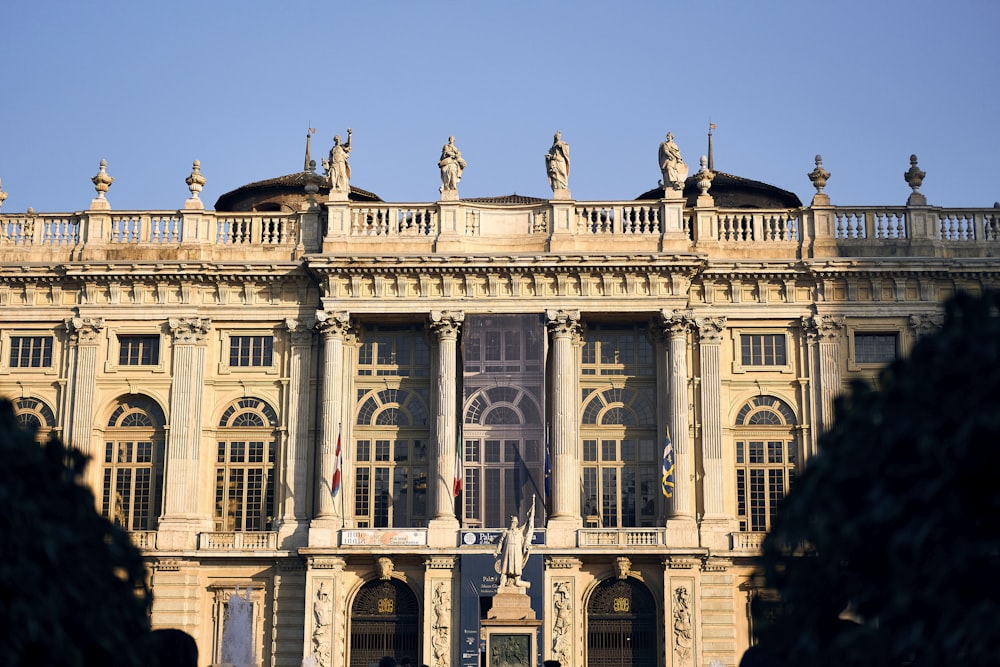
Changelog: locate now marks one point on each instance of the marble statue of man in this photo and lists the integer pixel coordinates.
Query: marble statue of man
(672, 165)
(451, 164)
(513, 549)
(338, 171)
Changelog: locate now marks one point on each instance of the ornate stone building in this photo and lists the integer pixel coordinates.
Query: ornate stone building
(334, 404)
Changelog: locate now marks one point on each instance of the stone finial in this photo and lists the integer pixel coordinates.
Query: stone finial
(704, 180)
(195, 181)
(3, 195)
(819, 176)
(915, 178)
(102, 181)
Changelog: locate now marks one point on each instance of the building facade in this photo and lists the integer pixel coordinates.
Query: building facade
(333, 405)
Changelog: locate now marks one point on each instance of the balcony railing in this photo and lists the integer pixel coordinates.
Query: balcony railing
(621, 537)
(143, 539)
(239, 541)
(747, 541)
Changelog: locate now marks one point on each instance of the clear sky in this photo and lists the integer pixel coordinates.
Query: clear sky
(151, 86)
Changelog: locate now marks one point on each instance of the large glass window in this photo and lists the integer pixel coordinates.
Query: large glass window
(391, 433)
(30, 351)
(875, 348)
(620, 451)
(133, 465)
(244, 467)
(766, 458)
(503, 443)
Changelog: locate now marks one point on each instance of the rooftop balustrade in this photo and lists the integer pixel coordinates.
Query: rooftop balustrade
(359, 228)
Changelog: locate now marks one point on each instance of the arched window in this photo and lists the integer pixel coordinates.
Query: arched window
(244, 466)
(390, 459)
(34, 414)
(620, 457)
(766, 458)
(132, 482)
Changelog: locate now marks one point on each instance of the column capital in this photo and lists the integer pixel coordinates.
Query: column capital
(333, 323)
(189, 330)
(440, 562)
(710, 329)
(823, 327)
(85, 330)
(446, 323)
(676, 322)
(299, 331)
(563, 322)
(924, 324)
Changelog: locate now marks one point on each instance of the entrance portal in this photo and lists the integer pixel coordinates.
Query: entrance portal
(385, 620)
(621, 625)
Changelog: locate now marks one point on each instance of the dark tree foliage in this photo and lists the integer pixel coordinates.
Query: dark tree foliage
(898, 518)
(72, 587)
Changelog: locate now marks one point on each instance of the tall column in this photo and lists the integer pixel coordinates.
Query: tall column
(681, 528)
(85, 334)
(181, 521)
(334, 327)
(296, 463)
(715, 525)
(442, 527)
(827, 330)
(566, 519)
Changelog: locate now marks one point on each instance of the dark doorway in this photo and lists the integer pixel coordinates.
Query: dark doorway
(385, 620)
(621, 626)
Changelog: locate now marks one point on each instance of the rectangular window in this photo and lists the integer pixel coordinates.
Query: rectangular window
(30, 351)
(875, 348)
(138, 350)
(763, 349)
(251, 350)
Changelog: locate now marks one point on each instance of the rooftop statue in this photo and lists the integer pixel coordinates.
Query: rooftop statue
(513, 549)
(557, 164)
(338, 171)
(452, 165)
(672, 165)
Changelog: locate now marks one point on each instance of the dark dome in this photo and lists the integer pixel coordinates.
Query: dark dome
(284, 193)
(730, 191)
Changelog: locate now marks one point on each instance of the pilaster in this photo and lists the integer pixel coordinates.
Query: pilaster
(564, 616)
(295, 473)
(826, 331)
(440, 588)
(715, 525)
(85, 335)
(181, 522)
(326, 605)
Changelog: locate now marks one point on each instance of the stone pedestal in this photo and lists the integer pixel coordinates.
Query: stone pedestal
(511, 630)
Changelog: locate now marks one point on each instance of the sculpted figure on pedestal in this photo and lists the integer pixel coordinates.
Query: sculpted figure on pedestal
(338, 171)
(513, 549)
(672, 165)
(557, 163)
(451, 164)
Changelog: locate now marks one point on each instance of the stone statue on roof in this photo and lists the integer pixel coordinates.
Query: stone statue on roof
(451, 165)
(338, 171)
(672, 165)
(557, 166)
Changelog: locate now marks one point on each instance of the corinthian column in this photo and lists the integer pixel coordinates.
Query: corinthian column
(334, 328)
(85, 334)
(181, 521)
(681, 529)
(564, 327)
(445, 326)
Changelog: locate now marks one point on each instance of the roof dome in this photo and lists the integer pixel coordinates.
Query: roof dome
(284, 193)
(730, 191)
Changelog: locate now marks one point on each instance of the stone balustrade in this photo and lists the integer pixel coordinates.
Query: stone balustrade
(824, 231)
(238, 541)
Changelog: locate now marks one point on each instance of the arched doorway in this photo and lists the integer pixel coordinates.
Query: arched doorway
(621, 626)
(385, 620)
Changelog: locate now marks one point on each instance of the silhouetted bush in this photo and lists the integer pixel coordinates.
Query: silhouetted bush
(898, 518)
(72, 587)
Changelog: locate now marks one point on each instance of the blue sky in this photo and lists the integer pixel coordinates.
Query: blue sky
(151, 86)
